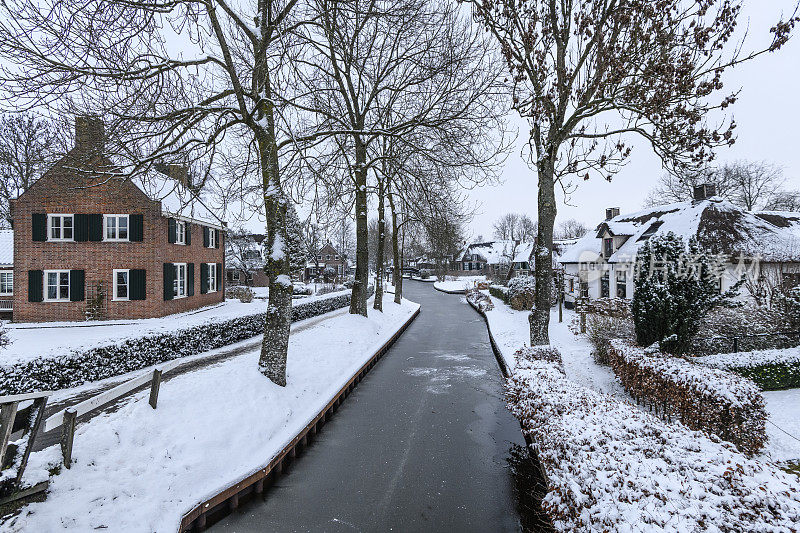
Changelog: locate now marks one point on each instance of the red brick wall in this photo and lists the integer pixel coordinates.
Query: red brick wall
(62, 190)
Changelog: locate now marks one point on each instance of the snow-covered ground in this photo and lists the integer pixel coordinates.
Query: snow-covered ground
(139, 469)
(50, 339)
(462, 283)
(510, 331)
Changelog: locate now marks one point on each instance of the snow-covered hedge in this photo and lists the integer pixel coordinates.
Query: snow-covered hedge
(612, 467)
(708, 399)
(500, 292)
(479, 300)
(547, 353)
(103, 362)
(770, 369)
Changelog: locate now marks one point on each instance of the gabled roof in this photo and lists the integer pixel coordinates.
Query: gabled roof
(176, 199)
(6, 246)
(720, 226)
(492, 252)
(524, 251)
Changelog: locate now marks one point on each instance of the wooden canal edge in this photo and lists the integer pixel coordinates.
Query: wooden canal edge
(227, 500)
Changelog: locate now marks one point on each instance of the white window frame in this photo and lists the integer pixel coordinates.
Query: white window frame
(212, 238)
(61, 217)
(212, 276)
(46, 286)
(176, 286)
(180, 233)
(116, 297)
(11, 281)
(117, 238)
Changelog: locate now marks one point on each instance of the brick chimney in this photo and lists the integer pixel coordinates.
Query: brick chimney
(704, 191)
(89, 134)
(612, 212)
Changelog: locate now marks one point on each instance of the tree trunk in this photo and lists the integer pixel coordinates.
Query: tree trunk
(358, 301)
(381, 239)
(539, 318)
(397, 278)
(275, 345)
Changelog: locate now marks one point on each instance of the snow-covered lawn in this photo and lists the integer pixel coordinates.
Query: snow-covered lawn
(32, 340)
(510, 331)
(139, 469)
(461, 283)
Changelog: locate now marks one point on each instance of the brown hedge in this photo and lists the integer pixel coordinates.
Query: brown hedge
(715, 401)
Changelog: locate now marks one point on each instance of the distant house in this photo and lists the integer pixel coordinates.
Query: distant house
(491, 258)
(524, 262)
(91, 243)
(326, 258)
(601, 264)
(245, 261)
(6, 270)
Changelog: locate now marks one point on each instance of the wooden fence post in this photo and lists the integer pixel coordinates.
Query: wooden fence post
(155, 384)
(8, 412)
(583, 322)
(67, 436)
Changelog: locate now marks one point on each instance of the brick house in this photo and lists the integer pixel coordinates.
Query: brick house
(89, 243)
(326, 257)
(245, 260)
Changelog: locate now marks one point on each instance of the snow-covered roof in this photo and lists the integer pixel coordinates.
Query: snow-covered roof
(720, 226)
(176, 199)
(524, 251)
(6, 246)
(493, 252)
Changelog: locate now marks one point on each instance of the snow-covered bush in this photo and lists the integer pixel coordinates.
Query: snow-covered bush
(708, 399)
(234, 292)
(613, 307)
(500, 292)
(522, 293)
(613, 467)
(103, 362)
(675, 286)
(549, 354)
(601, 329)
(479, 300)
(769, 369)
(246, 296)
(788, 304)
(754, 327)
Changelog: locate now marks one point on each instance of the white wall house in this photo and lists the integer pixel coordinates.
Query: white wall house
(601, 264)
(6, 269)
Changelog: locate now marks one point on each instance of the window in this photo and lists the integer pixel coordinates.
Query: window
(212, 277)
(6, 282)
(121, 284)
(622, 287)
(180, 233)
(212, 238)
(604, 285)
(56, 285)
(179, 285)
(608, 247)
(571, 285)
(115, 227)
(327, 257)
(235, 275)
(59, 227)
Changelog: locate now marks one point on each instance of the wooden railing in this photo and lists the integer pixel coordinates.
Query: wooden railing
(20, 412)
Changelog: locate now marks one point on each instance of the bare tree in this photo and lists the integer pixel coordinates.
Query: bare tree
(243, 253)
(571, 229)
(752, 185)
(515, 227)
(586, 74)
(28, 147)
(227, 82)
(394, 69)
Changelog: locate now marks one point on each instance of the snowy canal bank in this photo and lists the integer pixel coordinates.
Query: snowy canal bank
(139, 469)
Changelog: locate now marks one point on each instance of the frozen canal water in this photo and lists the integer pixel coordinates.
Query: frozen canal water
(422, 444)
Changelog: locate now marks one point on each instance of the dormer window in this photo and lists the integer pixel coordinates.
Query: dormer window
(608, 247)
(60, 227)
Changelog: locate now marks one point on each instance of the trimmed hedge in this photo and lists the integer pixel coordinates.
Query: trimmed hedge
(104, 362)
(769, 369)
(479, 300)
(712, 400)
(613, 467)
(500, 292)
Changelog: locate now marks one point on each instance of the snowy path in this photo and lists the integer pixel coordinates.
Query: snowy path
(420, 445)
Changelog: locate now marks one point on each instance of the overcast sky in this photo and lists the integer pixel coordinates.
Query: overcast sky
(767, 116)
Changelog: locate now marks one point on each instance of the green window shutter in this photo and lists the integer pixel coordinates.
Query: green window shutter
(35, 282)
(81, 231)
(136, 228)
(219, 277)
(137, 284)
(216, 238)
(39, 227)
(190, 279)
(206, 238)
(188, 233)
(171, 231)
(203, 278)
(169, 281)
(77, 281)
(95, 227)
